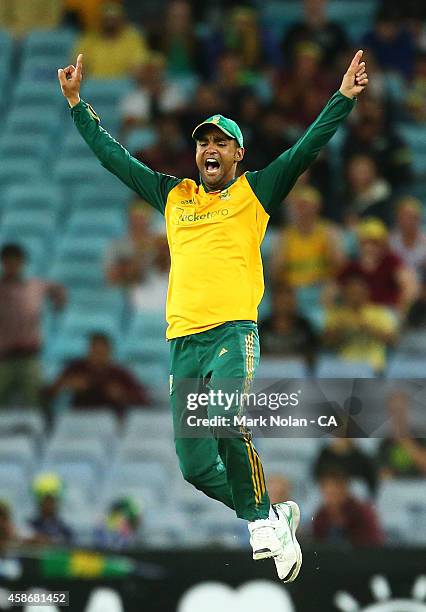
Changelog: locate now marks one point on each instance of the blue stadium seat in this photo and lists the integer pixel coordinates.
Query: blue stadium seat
(45, 198)
(148, 424)
(92, 223)
(55, 44)
(79, 323)
(401, 503)
(31, 122)
(18, 450)
(98, 424)
(39, 224)
(27, 172)
(281, 368)
(29, 422)
(112, 188)
(77, 274)
(142, 473)
(17, 147)
(105, 92)
(402, 366)
(333, 367)
(75, 451)
(145, 350)
(39, 94)
(147, 325)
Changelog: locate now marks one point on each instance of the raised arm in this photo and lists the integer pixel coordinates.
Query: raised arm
(273, 183)
(153, 186)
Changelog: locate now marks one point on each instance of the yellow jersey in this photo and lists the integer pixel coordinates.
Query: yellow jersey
(214, 237)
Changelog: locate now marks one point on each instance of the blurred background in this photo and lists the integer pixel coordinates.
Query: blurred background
(86, 451)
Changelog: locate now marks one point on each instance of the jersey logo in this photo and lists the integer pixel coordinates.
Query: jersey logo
(224, 195)
(215, 119)
(223, 351)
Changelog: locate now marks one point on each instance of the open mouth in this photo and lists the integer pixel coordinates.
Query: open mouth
(212, 166)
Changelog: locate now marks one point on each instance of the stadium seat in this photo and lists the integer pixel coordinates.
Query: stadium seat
(142, 473)
(271, 367)
(333, 367)
(66, 451)
(43, 197)
(28, 422)
(298, 449)
(99, 424)
(18, 450)
(31, 122)
(112, 195)
(77, 275)
(147, 325)
(402, 366)
(105, 92)
(145, 350)
(92, 223)
(39, 224)
(12, 174)
(401, 504)
(56, 44)
(146, 424)
(413, 343)
(19, 147)
(79, 323)
(142, 448)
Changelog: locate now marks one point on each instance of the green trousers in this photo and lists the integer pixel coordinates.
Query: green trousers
(223, 464)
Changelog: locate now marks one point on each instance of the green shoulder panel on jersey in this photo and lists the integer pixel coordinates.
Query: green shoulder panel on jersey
(153, 186)
(273, 183)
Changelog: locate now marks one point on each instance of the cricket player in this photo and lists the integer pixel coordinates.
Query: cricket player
(214, 230)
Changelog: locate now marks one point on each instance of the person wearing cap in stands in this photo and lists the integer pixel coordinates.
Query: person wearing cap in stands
(215, 228)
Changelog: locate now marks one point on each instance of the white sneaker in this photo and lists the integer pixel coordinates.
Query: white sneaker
(289, 562)
(264, 539)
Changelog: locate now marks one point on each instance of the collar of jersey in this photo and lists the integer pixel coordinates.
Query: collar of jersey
(217, 190)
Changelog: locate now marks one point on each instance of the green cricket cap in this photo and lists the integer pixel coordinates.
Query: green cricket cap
(228, 127)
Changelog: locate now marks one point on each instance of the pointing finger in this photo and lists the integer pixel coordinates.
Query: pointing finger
(79, 65)
(354, 65)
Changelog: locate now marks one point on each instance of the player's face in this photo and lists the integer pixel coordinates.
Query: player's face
(217, 157)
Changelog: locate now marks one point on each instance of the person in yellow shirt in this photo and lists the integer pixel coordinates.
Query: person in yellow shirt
(309, 249)
(359, 330)
(214, 229)
(88, 12)
(21, 16)
(116, 49)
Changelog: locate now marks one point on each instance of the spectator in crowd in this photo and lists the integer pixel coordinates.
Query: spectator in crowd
(402, 454)
(242, 35)
(8, 535)
(83, 14)
(390, 282)
(286, 333)
(113, 51)
(151, 293)
(47, 526)
(128, 259)
(309, 249)
(344, 454)
(342, 518)
(96, 381)
(416, 315)
(367, 192)
(230, 82)
(154, 94)
(357, 329)
(315, 27)
(176, 38)
(21, 302)
(371, 135)
(20, 16)
(206, 102)
(120, 526)
(416, 94)
(391, 42)
(303, 90)
(408, 240)
(279, 488)
(170, 153)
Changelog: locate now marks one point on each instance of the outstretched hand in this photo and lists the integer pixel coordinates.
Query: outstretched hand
(70, 81)
(355, 79)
